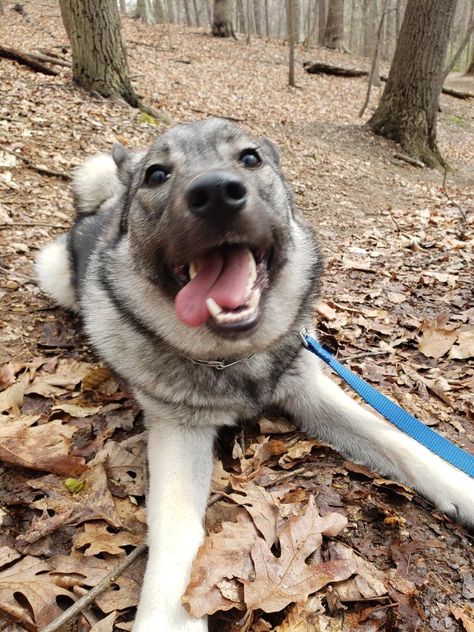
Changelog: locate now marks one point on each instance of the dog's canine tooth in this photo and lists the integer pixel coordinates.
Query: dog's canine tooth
(213, 307)
(193, 270)
(252, 271)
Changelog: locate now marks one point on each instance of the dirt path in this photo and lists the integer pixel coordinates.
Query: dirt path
(398, 248)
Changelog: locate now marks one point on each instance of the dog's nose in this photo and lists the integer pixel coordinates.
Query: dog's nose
(218, 194)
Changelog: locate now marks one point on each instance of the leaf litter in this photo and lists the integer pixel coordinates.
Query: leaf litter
(396, 306)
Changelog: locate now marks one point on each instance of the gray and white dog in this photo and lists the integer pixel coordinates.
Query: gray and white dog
(194, 275)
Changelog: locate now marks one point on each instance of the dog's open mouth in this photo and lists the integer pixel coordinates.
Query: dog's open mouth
(223, 286)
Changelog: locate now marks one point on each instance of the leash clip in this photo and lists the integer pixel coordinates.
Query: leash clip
(302, 334)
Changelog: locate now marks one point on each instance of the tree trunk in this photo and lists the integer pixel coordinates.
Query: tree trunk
(187, 13)
(222, 21)
(408, 108)
(160, 15)
(470, 68)
(267, 20)
(123, 7)
(99, 63)
(2, 8)
(290, 14)
(145, 12)
(321, 21)
(66, 16)
(257, 11)
(240, 16)
(334, 31)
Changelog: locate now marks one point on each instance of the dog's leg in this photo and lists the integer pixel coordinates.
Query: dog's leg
(322, 409)
(180, 464)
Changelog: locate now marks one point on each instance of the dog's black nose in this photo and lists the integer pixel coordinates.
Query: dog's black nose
(218, 194)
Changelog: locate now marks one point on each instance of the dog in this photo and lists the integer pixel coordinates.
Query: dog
(194, 275)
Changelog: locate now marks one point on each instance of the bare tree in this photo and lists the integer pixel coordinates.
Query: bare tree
(290, 14)
(334, 31)
(99, 62)
(222, 20)
(145, 11)
(66, 16)
(470, 68)
(408, 108)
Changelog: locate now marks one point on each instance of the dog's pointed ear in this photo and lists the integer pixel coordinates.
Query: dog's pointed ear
(271, 149)
(120, 154)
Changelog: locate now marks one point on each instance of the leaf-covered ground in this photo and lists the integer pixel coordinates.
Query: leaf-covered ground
(396, 304)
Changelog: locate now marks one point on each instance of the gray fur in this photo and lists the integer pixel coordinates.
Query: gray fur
(120, 249)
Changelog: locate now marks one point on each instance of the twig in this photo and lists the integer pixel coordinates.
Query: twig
(222, 116)
(453, 202)
(26, 60)
(364, 354)
(104, 584)
(42, 170)
(51, 60)
(374, 65)
(409, 160)
(32, 224)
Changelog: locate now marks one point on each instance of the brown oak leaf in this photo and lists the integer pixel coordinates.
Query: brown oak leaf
(43, 447)
(30, 578)
(281, 580)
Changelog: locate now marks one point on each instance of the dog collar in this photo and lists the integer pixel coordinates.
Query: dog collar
(219, 365)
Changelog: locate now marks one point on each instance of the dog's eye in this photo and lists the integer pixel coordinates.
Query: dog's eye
(156, 175)
(250, 158)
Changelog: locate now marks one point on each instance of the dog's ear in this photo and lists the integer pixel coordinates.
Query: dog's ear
(126, 160)
(120, 154)
(271, 149)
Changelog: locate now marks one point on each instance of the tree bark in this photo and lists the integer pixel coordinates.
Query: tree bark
(321, 21)
(145, 12)
(222, 21)
(470, 68)
(408, 108)
(99, 62)
(334, 31)
(66, 17)
(240, 16)
(257, 10)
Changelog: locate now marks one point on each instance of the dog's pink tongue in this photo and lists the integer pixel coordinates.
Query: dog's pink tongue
(222, 276)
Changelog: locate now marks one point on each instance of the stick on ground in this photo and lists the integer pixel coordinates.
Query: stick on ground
(104, 584)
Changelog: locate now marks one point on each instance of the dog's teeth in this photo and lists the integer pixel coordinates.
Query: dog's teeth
(252, 271)
(254, 299)
(213, 307)
(192, 270)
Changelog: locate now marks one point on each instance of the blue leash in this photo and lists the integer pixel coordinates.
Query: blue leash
(406, 422)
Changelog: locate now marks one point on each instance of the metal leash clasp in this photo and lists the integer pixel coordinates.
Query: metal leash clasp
(302, 334)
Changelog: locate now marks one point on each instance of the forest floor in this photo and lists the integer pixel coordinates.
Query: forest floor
(396, 303)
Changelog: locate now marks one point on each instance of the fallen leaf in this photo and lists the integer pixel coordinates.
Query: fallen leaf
(93, 502)
(465, 616)
(223, 555)
(281, 580)
(106, 624)
(464, 347)
(368, 582)
(11, 399)
(260, 504)
(98, 538)
(297, 452)
(28, 583)
(437, 339)
(44, 447)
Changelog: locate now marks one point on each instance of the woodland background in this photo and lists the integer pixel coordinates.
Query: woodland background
(396, 306)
